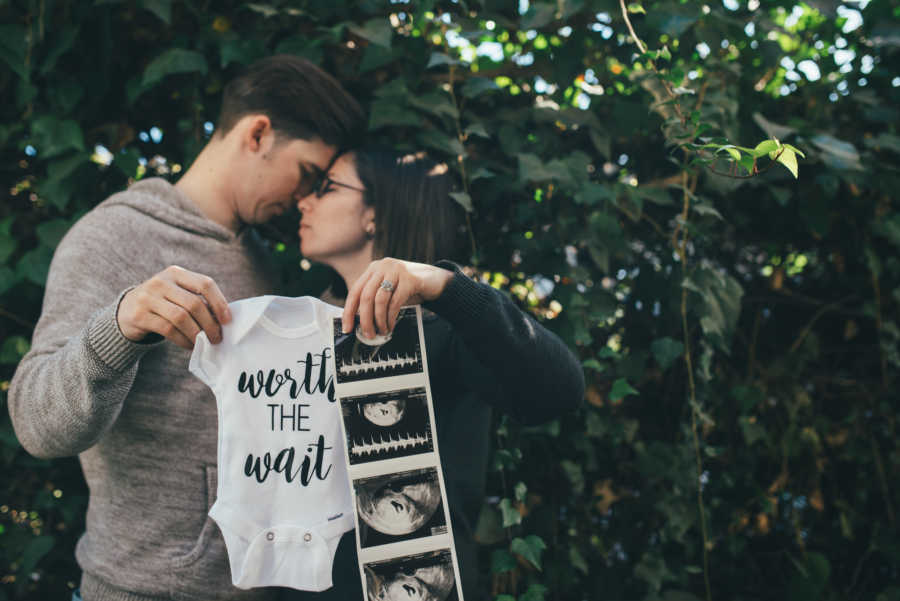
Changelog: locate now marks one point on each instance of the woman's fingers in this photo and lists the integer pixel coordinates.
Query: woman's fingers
(351, 304)
(367, 303)
(378, 307)
(400, 297)
(383, 298)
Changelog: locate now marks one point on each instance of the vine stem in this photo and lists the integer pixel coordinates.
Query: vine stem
(692, 388)
(461, 158)
(634, 36)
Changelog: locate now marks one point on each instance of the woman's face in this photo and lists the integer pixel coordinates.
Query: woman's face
(333, 227)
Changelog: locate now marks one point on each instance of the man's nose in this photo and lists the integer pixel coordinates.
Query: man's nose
(303, 202)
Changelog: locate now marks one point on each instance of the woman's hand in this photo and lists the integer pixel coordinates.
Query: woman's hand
(412, 283)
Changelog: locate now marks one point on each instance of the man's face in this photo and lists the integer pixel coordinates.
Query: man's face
(283, 172)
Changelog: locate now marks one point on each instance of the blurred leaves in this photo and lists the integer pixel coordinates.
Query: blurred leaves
(583, 168)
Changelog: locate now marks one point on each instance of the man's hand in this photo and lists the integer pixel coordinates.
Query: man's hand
(412, 283)
(177, 304)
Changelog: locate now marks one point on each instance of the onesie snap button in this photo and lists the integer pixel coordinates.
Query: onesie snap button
(270, 536)
(307, 537)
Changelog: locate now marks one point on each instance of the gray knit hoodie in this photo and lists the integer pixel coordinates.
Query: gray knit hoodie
(143, 427)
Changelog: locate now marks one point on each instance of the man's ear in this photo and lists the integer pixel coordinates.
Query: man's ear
(259, 129)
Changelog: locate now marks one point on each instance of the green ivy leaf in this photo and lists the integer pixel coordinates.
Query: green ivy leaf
(173, 61)
(242, 51)
(532, 169)
(35, 265)
(577, 560)
(721, 295)
(666, 351)
(437, 140)
(538, 15)
(61, 45)
(51, 232)
(636, 8)
(8, 279)
(535, 592)
(530, 548)
(594, 365)
(673, 20)
(436, 103)
(160, 8)
(439, 59)
(464, 200)
(475, 86)
(707, 210)
(765, 147)
(8, 246)
(502, 561)
(575, 475)
(37, 548)
(811, 577)
(620, 389)
(511, 516)
(54, 136)
(520, 491)
(12, 49)
(378, 31)
(789, 160)
(376, 56)
(265, 10)
(301, 45)
(480, 173)
(387, 112)
(477, 129)
(128, 160)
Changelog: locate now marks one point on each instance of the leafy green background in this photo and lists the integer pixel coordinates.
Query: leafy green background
(734, 300)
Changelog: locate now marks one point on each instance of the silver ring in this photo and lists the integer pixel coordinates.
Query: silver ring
(386, 285)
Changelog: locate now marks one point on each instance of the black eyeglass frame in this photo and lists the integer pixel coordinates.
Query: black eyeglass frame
(323, 182)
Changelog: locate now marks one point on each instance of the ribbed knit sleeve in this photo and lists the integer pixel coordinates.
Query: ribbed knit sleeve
(69, 388)
(523, 368)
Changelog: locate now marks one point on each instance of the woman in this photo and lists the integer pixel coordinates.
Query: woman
(385, 226)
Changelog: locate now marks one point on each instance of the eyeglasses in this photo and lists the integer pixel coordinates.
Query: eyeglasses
(325, 183)
(310, 177)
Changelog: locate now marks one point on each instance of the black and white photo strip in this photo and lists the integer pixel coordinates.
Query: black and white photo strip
(386, 425)
(424, 577)
(399, 506)
(394, 355)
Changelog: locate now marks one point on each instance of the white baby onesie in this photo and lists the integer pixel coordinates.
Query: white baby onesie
(283, 498)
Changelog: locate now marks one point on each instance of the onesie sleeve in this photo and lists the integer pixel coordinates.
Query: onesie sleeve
(205, 361)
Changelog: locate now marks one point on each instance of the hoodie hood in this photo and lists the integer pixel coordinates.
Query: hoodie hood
(159, 199)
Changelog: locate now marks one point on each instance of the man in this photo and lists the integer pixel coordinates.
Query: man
(158, 262)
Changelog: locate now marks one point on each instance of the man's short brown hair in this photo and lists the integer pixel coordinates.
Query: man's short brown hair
(300, 99)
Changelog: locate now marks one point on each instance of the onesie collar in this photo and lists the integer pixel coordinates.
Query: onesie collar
(247, 313)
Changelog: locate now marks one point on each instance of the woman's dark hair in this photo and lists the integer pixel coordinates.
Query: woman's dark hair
(300, 99)
(416, 219)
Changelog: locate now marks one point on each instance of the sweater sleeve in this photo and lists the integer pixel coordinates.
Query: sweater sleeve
(69, 388)
(524, 369)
